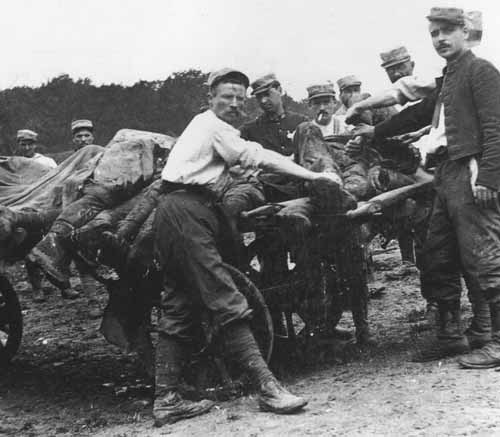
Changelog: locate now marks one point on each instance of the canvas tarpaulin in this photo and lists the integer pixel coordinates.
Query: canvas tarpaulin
(47, 192)
(18, 170)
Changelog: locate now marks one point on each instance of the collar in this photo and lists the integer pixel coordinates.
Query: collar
(455, 64)
(274, 118)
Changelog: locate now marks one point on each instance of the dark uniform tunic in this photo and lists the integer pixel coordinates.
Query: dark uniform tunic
(274, 133)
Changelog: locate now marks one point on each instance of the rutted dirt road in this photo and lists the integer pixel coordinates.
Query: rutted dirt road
(67, 381)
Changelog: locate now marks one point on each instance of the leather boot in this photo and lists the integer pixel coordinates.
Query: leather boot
(169, 406)
(242, 348)
(275, 398)
(479, 331)
(449, 341)
(489, 355)
(51, 254)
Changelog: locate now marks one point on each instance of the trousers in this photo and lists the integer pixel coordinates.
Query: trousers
(189, 239)
(462, 238)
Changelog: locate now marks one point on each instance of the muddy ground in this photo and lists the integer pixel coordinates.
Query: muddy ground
(67, 381)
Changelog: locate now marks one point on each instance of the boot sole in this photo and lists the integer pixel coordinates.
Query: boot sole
(176, 418)
(478, 366)
(284, 410)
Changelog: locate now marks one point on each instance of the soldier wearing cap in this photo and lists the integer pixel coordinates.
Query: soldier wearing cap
(275, 127)
(26, 146)
(323, 104)
(408, 87)
(464, 229)
(349, 90)
(397, 63)
(189, 233)
(82, 132)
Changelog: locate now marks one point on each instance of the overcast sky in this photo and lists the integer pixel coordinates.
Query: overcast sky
(302, 41)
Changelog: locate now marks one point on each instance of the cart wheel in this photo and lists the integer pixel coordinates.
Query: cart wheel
(261, 323)
(11, 322)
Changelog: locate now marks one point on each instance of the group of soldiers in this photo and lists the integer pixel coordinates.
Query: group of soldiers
(82, 134)
(351, 151)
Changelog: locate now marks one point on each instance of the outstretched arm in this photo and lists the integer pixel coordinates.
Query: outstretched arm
(249, 154)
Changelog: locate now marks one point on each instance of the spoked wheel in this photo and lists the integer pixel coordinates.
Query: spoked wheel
(11, 324)
(261, 323)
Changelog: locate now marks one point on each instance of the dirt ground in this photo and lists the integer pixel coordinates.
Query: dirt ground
(67, 381)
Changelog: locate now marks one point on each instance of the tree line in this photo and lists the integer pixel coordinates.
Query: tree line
(164, 106)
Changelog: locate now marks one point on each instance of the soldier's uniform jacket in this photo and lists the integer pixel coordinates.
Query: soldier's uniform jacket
(472, 115)
(274, 134)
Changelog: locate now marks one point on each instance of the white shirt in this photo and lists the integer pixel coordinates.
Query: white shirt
(206, 149)
(336, 126)
(411, 89)
(437, 135)
(44, 160)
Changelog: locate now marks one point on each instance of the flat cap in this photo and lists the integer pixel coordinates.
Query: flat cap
(394, 57)
(216, 76)
(26, 134)
(263, 83)
(450, 15)
(320, 90)
(347, 81)
(81, 124)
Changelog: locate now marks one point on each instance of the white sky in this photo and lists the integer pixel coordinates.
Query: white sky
(302, 41)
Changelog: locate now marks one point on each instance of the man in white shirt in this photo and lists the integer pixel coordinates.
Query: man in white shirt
(188, 235)
(26, 146)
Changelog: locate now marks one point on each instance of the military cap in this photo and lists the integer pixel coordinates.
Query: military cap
(450, 15)
(81, 124)
(26, 134)
(394, 57)
(347, 81)
(216, 76)
(321, 90)
(263, 83)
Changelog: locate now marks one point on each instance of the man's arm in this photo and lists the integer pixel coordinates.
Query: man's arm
(409, 119)
(485, 84)
(382, 100)
(249, 154)
(407, 89)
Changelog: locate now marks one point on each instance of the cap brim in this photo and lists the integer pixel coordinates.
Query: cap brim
(456, 21)
(260, 90)
(395, 62)
(321, 95)
(350, 85)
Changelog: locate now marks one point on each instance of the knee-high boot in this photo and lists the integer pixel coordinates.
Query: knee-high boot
(169, 406)
(242, 348)
(489, 355)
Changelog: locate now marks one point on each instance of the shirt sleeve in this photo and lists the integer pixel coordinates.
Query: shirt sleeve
(411, 89)
(235, 150)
